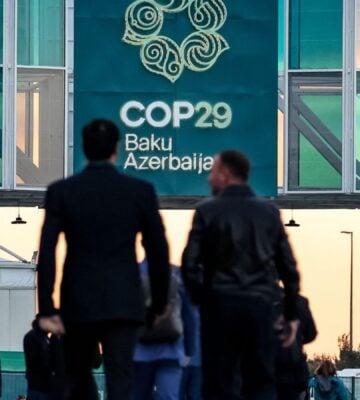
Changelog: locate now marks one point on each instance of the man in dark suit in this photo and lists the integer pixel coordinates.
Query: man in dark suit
(101, 211)
(236, 252)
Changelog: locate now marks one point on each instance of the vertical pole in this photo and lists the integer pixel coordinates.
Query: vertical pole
(349, 94)
(9, 95)
(351, 292)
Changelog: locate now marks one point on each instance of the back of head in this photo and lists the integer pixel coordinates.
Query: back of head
(237, 163)
(326, 368)
(100, 139)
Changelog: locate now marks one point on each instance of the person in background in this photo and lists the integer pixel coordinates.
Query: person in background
(292, 372)
(101, 211)
(20, 397)
(191, 382)
(158, 361)
(236, 252)
(44, 364)
(325, 385)
(36, 345)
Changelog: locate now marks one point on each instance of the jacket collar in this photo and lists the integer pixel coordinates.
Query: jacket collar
(99, 164)
(237, 191)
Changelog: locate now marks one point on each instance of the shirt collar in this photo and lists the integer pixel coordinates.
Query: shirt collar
(237, 191)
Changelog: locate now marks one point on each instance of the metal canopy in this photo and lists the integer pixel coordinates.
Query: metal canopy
(32, 198)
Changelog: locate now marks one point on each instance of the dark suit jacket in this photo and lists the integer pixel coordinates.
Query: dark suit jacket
(101, 211)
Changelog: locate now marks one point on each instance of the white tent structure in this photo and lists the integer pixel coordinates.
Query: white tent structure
(17, 299)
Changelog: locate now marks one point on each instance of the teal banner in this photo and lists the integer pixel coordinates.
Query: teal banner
(183, 79)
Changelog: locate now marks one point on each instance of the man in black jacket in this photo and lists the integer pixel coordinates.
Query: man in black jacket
(236, 252)
(101, 211)
(38, 364)
(291, 367)
(44, 364)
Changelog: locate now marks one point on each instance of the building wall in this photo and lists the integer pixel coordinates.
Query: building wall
(319, 61)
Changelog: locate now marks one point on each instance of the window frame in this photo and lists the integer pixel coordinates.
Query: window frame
(9, 128)
(348, 102)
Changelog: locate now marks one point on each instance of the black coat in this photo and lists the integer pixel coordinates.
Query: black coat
(101, 211)
(237, 243)
(291, 364)
(45, 368)
(38, 360)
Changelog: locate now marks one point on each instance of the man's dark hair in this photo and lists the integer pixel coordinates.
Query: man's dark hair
(100, 138)
(237, 162)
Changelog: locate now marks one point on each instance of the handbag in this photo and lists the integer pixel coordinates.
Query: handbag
(170, 326)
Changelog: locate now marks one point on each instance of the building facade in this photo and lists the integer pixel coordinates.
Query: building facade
(318, 116)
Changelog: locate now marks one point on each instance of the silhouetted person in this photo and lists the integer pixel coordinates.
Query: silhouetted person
(37, 360)
(236, 251)
(101, 211)
(191, 381)
(291, 368)
(44, 364)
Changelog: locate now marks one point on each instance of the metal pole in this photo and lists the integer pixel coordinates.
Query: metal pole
(351, 286)
(351, 292)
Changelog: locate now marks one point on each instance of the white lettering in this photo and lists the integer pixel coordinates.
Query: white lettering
(130, 161)
(162, 106)
(194, 162)
(178, 115)
(131, 142)
(154, 163)
(124, 114)
(208, 163)
(152, 143)
(144, 160)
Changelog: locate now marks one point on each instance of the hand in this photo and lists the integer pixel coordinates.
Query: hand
(152, 319)
(159, 317)
(187, 360)
(288, 337)
(52, 324)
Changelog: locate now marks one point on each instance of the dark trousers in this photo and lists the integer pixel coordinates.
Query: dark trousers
(118, 340)
(191, 384)
(36, 395)
(238, 348)
(288, 392)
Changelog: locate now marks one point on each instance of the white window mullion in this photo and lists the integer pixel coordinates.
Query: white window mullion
(9, 94)
(286, 96)
(349, 75)
(69, 88)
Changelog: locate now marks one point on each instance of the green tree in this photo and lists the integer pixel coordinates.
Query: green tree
(348, 358)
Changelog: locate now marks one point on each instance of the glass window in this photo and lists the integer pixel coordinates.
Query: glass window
(40, 127)
(357, 100)
(358, 34)
(1, 31)
(40, 32)
(1, 126)
(315, 132)
(280, 149)
(281, 35)
(315, 34)
(357, 141)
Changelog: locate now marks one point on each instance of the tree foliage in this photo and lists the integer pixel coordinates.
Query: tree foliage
(348, 358)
